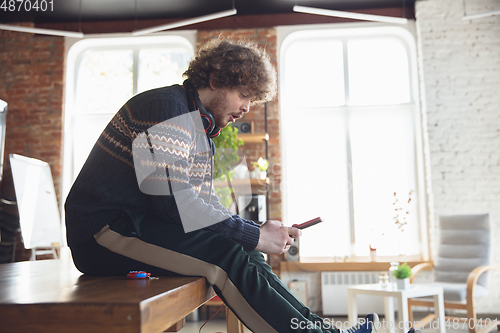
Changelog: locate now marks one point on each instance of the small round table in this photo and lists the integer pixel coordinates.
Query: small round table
(389, 293)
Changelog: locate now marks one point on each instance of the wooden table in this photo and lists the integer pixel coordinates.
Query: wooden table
(402, 296)
(53, 296)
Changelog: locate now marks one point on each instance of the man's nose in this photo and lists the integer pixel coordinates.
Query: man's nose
(246, 107)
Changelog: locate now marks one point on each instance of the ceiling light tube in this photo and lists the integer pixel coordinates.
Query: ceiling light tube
(350, 15)
(471, 17)
(52, 32)
(182, 23)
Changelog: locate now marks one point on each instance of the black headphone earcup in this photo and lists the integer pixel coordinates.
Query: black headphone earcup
(206, 117)
(208, 122)
(215, 132)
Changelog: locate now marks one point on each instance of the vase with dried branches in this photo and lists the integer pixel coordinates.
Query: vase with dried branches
(401, 215)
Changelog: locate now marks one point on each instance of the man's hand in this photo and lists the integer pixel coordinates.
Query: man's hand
(275, 238)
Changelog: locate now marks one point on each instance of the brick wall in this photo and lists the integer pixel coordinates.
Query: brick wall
(266, 38)
(31, 81)
(460, 67)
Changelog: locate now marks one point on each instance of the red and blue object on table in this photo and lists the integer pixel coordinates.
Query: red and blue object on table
(135, 275)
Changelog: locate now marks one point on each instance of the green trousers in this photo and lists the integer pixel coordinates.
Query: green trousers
(242, 279)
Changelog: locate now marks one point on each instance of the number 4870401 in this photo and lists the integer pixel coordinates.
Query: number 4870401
(27, 5)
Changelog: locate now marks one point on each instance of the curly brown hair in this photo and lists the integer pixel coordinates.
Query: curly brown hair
(230, 64)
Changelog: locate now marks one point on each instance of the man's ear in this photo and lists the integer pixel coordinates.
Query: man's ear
(211, 81)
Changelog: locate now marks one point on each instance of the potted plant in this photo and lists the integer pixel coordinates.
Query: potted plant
(402, 275)
(261, 165)
(401, 216)
(226, 156)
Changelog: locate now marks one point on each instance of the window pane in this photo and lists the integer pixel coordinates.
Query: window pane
(161, 67)
(104, 81)
(86, 130)
(314, 74)
(315, 184)
(383, 162)
(380, 138)
(378, 72)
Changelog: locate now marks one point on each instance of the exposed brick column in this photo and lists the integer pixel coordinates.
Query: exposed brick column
(266, 38)
(31, 81)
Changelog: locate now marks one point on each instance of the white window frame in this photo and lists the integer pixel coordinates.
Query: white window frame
(287, 35)
(75, 50)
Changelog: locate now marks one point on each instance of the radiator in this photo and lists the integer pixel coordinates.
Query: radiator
(334, 293)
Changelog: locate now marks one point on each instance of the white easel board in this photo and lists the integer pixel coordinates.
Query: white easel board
(36, 201)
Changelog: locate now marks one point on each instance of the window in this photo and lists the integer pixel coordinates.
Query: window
(350, 141)
(102, 74)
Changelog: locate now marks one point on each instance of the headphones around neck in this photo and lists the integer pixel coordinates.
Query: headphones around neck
(194, 104)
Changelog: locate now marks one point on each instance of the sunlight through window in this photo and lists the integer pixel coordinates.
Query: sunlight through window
(108, 73)
(349, 142)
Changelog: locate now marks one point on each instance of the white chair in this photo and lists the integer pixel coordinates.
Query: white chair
(464, 254)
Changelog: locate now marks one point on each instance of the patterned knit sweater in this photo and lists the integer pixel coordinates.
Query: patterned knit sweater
(110, 184)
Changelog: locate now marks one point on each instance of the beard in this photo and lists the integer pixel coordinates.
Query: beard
(217, 107)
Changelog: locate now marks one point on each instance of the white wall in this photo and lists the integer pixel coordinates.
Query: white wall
(460, 89)
(460, 68)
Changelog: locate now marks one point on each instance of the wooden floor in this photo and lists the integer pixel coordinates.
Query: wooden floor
(214, 326)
